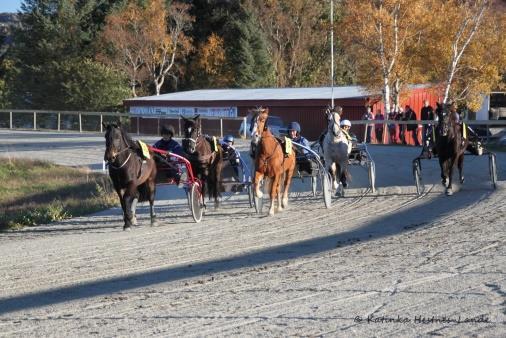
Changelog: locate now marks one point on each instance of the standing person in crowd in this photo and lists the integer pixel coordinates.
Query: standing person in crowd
(401, 116)
(368, 117)
(379, 126)
(426, 114)
(392, 130)
(412, 128)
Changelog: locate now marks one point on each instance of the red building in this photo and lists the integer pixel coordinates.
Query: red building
(223, 109)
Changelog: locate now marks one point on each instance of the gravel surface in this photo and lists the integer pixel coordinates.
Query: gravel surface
(384, 264)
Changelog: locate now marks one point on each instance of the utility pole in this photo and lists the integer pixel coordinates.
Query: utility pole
(332, 51)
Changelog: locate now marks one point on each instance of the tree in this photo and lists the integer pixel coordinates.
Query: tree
(145, 39)
(246, 62)
(297, 30)
(468, 54)
(52, 34)
(382, 35)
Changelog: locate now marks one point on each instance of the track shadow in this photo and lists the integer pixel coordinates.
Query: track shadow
(407, 219)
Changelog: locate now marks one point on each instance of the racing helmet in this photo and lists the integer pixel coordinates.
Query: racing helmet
(228, 139)
(294, 126)
(345, 123)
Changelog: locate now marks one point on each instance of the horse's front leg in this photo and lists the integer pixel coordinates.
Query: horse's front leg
(129, 198)
(286, 187)
(274, 192)
(442, 165)
(332, 170)
(460, 165)
(256, 183)
(449, 190)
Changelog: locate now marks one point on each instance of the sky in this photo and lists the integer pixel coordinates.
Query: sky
(10, 6)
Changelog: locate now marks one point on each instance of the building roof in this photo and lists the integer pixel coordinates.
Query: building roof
(314, 93)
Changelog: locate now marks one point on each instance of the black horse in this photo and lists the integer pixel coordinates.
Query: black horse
(450, 145)
(205, 157)
(132, 175)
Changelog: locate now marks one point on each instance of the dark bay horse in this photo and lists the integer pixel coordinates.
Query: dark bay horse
(133, 176)
(206, 162)
(450, 145)
(270, 161)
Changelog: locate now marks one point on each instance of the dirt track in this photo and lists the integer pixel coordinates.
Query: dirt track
(390, 256)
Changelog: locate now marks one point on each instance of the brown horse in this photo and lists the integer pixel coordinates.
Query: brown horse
(270, 161)
(132, 175)
(206, 162)
(450, 145)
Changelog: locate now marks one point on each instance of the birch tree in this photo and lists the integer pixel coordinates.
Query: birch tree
(468, 50)
(379, 34)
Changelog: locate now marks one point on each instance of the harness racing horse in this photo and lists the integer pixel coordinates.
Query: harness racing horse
(133, 176)
(336, 149)
(270, 161)
(450, 145)
(205, 161)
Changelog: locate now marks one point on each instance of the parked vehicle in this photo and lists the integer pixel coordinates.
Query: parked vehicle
(275, 124)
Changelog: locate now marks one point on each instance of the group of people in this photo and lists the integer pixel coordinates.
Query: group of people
(399, 134)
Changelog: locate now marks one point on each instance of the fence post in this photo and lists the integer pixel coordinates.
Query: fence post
(179, 126)
(80, 124)
(138, 128)
(10, 120)
(34, 120)
(244, 121)
(157, 126)
(101, 125)
(221, 128)
(365, 134)
(59, 121)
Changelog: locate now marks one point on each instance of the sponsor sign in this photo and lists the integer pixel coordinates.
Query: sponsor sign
(185, 111)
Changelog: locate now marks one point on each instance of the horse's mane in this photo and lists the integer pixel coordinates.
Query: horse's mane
(131, 143)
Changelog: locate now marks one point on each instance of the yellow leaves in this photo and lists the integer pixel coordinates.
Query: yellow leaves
(212, 55)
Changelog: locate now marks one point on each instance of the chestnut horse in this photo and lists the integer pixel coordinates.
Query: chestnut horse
(450, 145)
(132, 175)
(270, 161)
(207, 163)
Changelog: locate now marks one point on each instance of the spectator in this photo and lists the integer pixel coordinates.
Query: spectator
(368, 117)
(379, 126)
(412, 128)
(392, 130)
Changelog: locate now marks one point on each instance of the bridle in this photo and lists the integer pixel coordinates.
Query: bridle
(333, 126)
(111, 162)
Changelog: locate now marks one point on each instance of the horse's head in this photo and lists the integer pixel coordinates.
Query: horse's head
(115, 141)
(191, 128)
(258, 124)
(334, 120)
(446, 116)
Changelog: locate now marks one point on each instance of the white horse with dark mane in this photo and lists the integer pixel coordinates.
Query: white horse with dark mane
(336, 149)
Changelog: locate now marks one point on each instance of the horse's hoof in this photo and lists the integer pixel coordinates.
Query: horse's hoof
(259, 194)
(443, 182)
(285, 202)
(154, 223)
(462, 180)
(126, 228)
(449, 192)
(134, 220)
(271, 212)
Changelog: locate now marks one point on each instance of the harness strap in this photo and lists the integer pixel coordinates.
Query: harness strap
(121, 166)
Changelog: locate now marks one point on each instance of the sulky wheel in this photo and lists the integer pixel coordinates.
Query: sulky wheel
(417, 174)
(492, 167)
(327, 189)
(196, 202)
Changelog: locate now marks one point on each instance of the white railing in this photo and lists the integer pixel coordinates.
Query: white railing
(92, 121)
